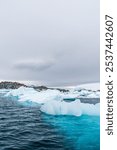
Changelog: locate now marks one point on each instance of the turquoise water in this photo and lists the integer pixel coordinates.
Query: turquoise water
(81, 133)
(27, 128)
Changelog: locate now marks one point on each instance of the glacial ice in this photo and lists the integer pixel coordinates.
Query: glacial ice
(89, 86)
(51, 101)
(62, 108)
(75, 108)
(4, 91)
(90, 109)
(29, 94)
(20, 91)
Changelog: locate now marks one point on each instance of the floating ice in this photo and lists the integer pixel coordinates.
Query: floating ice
(90, 90)
(90, 109)
(4, 91)
(75, 108)
(83, 93)
(20, 91)
(29, 94)
(41, 97)
(62, 108)
(51, 101)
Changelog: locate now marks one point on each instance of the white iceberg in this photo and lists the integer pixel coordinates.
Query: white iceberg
(75, 108)
(62, 108)
(52, 101)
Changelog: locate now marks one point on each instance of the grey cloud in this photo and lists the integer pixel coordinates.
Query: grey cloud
(53, 42)
(33, 65)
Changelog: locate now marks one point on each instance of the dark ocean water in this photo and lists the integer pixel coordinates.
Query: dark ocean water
(26, 128)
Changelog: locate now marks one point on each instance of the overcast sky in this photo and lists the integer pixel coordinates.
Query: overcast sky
(51, 42)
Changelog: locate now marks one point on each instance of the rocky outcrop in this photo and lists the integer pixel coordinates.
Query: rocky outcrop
(16, 85)
(11, 85)
(40, 88)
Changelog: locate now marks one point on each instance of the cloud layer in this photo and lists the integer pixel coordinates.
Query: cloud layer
(53, 42)
(33, 65)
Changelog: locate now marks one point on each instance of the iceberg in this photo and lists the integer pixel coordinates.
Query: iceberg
(20, 91)
(83, 93)
(62, 108)
(90, 109)
(4, 91)
(75, 108)
(29, 94)
(41, 97)
(52, 101)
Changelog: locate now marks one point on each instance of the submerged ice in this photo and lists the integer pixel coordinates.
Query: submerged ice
(52, 101)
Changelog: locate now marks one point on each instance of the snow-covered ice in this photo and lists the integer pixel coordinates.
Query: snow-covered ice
(89, 86)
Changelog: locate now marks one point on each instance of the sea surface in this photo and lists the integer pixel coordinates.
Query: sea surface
(27, 128)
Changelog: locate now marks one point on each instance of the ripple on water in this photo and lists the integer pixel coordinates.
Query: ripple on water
(26, 128)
